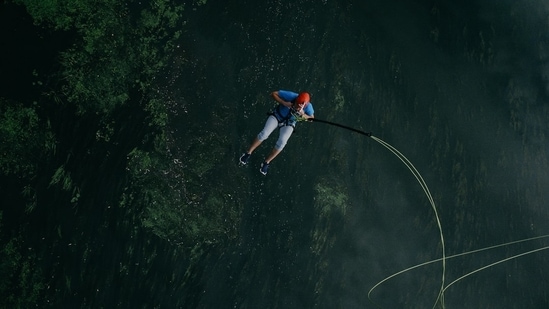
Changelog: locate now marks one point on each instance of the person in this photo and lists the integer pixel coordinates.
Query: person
(284, 116)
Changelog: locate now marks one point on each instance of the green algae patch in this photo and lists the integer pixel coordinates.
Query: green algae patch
(331, 202)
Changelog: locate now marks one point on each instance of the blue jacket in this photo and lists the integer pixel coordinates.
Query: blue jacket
(283, 113)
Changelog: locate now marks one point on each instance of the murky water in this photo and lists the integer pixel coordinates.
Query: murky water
(453, 88)
(460, 90)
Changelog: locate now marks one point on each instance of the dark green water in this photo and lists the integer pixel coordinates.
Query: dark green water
(460, 90)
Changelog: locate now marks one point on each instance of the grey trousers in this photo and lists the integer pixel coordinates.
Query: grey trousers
(283, 136)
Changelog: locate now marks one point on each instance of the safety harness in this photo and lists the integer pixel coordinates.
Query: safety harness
(284, 120)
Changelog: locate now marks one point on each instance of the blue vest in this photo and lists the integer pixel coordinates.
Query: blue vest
(283, 114)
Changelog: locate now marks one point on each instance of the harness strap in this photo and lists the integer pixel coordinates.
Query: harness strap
(285, 120)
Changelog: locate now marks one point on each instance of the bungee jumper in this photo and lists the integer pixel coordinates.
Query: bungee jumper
(291, 108)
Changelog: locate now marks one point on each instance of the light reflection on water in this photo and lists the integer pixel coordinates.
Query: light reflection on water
(337, 213)
(436, 99)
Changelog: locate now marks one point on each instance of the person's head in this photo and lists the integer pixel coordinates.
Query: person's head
(302, 100)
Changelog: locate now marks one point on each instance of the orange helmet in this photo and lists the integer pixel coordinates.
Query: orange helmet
(302, 98)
